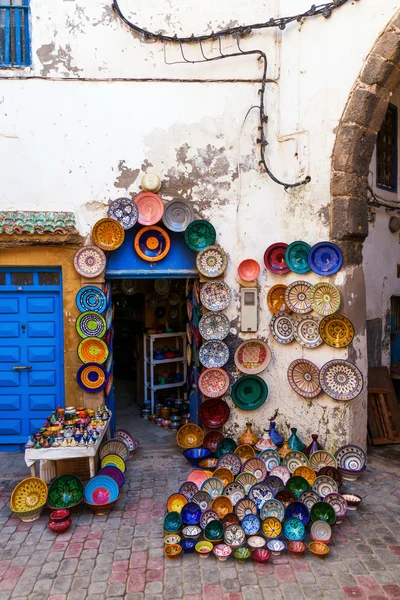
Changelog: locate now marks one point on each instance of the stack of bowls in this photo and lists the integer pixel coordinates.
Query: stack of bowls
(101, 493)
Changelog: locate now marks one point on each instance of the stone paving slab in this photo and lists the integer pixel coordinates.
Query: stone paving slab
(121, 555)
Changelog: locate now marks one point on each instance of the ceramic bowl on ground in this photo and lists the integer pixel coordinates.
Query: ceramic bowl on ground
(321, 532)
(339, 504)
(242, 554)
(222, 551)
(65, 492)
(195, 455)
(173, 521)
(276, 546)
(261, 555)
(307, 472)
(165, 423)
(191, 531)
(244, 451)
(230, 519)
(298, 510)
(190, 514)
(172, 551)
(318, 548)
(207, 516)
(297, 485)
(204, 549)
(188, 489)
(188, 545)
(29, 498)
(29, 515)
(222, 505)
(225, 445)
(333, 473)
(214, 531)
(271, 527)
(101, 490)
(208, 463)
(114, 473)
(294, 530)
(225, 475)
(351, 458)
(203, 499)
(296, 547)
(349, 475)
(353, 501)
(286, 497)
(172, 538)
(251, 524)
(309, 498)
(256, 541)
(324, 512)
(101, 509)
(176, 502)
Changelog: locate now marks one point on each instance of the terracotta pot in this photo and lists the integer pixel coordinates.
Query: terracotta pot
(248, 437)
(60, 520)
(164, 413)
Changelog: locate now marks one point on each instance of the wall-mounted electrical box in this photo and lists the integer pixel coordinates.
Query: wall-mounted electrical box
(248, 309)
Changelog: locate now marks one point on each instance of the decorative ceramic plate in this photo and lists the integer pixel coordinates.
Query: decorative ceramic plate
(252, 356)
(298, 510)
(162, 286)
(203, 499)
(151, 208)
(294, 459)
(212, 439)
(214, 354)
(296, 257)
(234, 536)
(273, 508)
(296, 297)
(92, 349)
(249, 269)
(213, 382)
(294, 529)
(91, 298)
(125, 435)
(125, 211)
(275, 483)
(303, 377)
(307, 330)
(260, 493)
(282, 327)
(324, 485)
(28, 495)
(114, 473)
(211, 261)
(282, 472)
(341, 380)
(324, 512)
(108, 234)
(247, 480)
(208, 516)
(173, 314)
(109, 317)
(230, 461)
(256, 467)
(320, 459)
(271, 527)
(276, 299)
(309, 498)
(274, 259)
(189, 309)
(178, 214)
(225, 475)
(90, 261)
(200, 234)
(114, 459)
(190, 436)
(271, 458)
(351, 457)
(324, 298)
(214, 413)
(176, 502)
(337, 331)
(222, 505)
(174, 299)
(325, 258)
(245, 451)
(297, 485)
(197, 476)
(215, 295)
(213, 486)
(65, 491)
(306, 473)
(235, 491)
(115, 446)
(244, 507)
(152, 243)
(91, 377)
(321, 531)
(339, 504)
(214, 326)
(249, 392)
(332, 472)
(91, 324)
(251, 524)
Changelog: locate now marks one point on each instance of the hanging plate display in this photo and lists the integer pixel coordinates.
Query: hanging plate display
(282, 327)
(249, 269)
(110, 361)
(200, 234)
(325, 258)
(89, 261)
(296, 257)
(214, 413)
(93, 350)
(152, 243)
(324, 298)
(174, 299)
(341, 380)
(303, 377)
(129, 286)
(189, 355)
(90, 324)
(276, 299)
(214, 354)
(91, 298)
(274, 259)
(151, 208)
(173, 314)
(306, 331)
(125, 211)
(162, 286)
(252, 356)
(213, 382)
(211, 261)
(108, 234)
(249, 392)
(337, 331)
(296, 297)
(91, 377)
(215, 295)
(178, 214)
(214, 326)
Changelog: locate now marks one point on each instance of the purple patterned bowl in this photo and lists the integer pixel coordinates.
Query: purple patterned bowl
(114, 473)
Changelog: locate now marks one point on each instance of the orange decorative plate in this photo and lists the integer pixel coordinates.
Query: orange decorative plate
(108, 234)
(92, 349)
(245, 451)
(176, 502)
(222, 506)
(152, 243)
(276, 299)
(225, 475)
(151, 208)
(306, 472)
(190, 436)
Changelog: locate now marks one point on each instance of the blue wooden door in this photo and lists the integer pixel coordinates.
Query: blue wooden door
(31, 352)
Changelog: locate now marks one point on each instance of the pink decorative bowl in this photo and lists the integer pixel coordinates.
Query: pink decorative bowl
(249, 269)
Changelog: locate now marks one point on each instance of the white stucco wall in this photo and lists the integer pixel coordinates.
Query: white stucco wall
(100, 107)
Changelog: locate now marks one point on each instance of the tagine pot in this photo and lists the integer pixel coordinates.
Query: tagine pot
(274, 434)
(248, 436)
(295, 442)
(284, 449)
(60, 520)
(265, 442)
(314, 446)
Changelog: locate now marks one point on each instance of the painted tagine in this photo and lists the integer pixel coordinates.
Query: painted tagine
(248, 436)
(284, 449)
(265, 442)
(314, 446)
(60, 520)
(295, 443)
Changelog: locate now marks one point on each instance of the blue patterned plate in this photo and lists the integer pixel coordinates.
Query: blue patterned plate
(214, 353)
(271, 458)
(298, 510)
(125, 211)
(294, 529)
(325, 258)
(91, 298)
(260, 493)
(251, 524)
(230, 461)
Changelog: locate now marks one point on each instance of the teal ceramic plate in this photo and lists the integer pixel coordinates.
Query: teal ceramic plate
(296, 257)
(200, 234)
(249, 392)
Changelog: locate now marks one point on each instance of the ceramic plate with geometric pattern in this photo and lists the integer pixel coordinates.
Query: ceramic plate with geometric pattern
(341, 380)
(296, 297)
(211, 261)
(324, 298)
(282, 327)
(337, 331)
(303, 377)
(214, 326)
(307, 330)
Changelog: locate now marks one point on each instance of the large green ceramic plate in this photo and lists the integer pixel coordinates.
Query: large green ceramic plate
(296, 257)
(65, 491)
(249, 392)
(200, 234)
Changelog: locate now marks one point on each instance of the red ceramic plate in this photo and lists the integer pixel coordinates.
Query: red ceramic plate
(213, 382)
(214, 413)
(212, 439)
(197, 476)
(151, 208)
(249, 269)
(274, 259)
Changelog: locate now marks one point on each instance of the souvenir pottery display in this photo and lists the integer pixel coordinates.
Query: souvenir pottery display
(249, 270)
(125, 211)
(248, 436)
(178, 214)
(276, 299)
(252, 356)
(211, 261)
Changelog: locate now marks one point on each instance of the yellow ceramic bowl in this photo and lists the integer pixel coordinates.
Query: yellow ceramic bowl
(307, 473)
(245, 451)
(28, 495)
(203, 549)
(225, 475)
(172, 551)
(176, 502)
(318, 548)
(271, 527)
(190, 436)
(114, 459)
(172, 538)
(222, 506)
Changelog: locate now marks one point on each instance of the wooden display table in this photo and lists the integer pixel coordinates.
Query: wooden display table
(47, 457)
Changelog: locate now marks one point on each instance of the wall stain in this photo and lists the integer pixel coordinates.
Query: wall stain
(126, 176)
(53, 60)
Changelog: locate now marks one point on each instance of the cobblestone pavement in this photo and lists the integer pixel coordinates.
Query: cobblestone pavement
(121, 555)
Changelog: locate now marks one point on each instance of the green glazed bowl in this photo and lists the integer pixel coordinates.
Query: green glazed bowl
(226, 445)
(200, 234)
(249, 392)
(214, 531)
(65, 492)
(242, 554)
(322, 511)
(172, 522)
(297, 485)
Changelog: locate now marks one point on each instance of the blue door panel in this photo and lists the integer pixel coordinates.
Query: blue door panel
(9, 330)
(10, 402)
(43, 378)
(9, 379)
(41, 353)
(10, 426)
(35, 425)
(9, 306)
(47, 402)
(10, 354)
(40, 330)
(40, 305)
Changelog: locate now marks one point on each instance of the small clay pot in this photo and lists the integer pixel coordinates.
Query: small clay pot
(60, 520)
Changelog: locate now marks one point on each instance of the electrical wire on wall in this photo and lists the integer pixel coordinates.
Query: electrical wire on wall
(238, 32)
